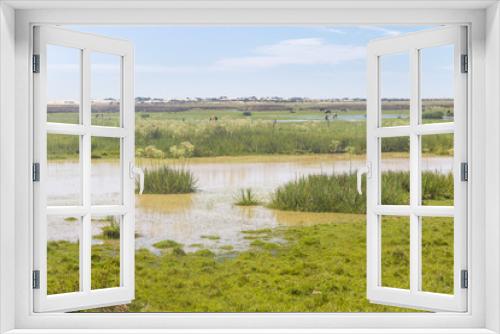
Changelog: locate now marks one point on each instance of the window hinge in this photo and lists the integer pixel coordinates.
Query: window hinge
(36, 63)
(464, 171)
(465, 63)
(36, 172)
(36, 279)
(464, 280)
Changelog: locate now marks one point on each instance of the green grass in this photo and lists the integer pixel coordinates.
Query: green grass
(167, 244)
(320, 193)
(168, 180)
(246, 198)
(320, 268)
(338, 193)
(210, 237)
(163, 134)
(112, 231)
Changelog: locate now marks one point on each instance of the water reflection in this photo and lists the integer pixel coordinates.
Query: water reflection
(190, 218)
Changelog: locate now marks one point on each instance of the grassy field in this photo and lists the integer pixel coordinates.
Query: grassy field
(314, 267)
(166, 134)
(319, 268)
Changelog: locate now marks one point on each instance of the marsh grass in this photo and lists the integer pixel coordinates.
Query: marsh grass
(167, 244)
(320, 193)
(170, 246)
(169, 180)
(319, 268)
(210, 237)
(111, 231)
(246, 197)
(338, 193)
(235, 135)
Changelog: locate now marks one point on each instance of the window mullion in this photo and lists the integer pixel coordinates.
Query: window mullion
(415, 235)
(86, 244)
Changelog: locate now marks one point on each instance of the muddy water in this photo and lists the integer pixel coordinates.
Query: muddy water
(208, 218)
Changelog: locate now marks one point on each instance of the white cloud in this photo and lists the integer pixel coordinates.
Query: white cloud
(305, 51)
(153, 69)
(385, 31)
(336, 31)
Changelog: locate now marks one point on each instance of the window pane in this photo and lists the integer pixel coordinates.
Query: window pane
(436, 84)
(395, 231)
(437, 169)
(437, 254)
(63, 84)
(106, 233)
(395, 89)
(395, 169)
(105, 89)
(64, 183)
(106, 171)
(63, 254)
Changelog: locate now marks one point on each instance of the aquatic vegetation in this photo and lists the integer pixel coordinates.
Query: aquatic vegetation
(337, 192)
(191, 134)
(247, 198)
(183, 150)
(168, 180)
(320, 268)
(167, 244)
(149, 151)
(210, 237)
(259, 231)
(112, 230)
(320, 193)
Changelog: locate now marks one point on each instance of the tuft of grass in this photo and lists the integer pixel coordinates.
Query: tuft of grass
(210, 237)
(168, 180)
(260, 231)
(338, 193)
(111, 231)
(320, 193)
(247, 198)
(167, 244)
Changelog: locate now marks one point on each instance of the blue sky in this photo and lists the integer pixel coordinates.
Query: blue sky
(316, 62)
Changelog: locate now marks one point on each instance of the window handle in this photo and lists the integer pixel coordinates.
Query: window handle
(136, 171)
(359, 175)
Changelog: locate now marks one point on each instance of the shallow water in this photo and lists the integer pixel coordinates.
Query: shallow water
(207, 218)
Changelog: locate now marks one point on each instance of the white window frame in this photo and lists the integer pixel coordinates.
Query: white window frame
(483, 17)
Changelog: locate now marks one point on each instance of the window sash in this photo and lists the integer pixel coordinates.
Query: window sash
(411, 44)
(86, 297)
